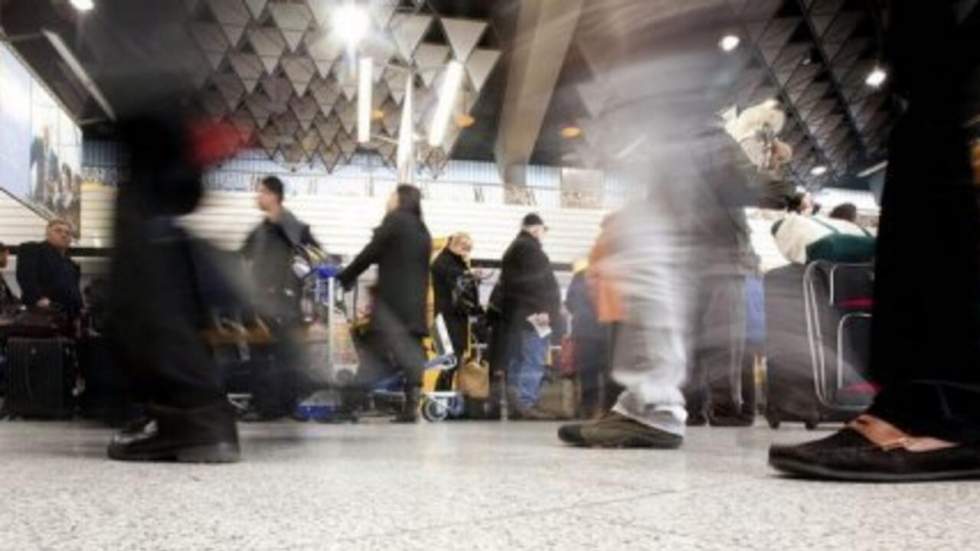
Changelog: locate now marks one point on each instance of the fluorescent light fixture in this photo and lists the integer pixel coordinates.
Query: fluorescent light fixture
(818, 170)
(352, 23)
(82, 5)
(873, 169)
(729, 42)
(76, 68)
(365, 72)
(876, 77)
(405, 154)
(448, 92)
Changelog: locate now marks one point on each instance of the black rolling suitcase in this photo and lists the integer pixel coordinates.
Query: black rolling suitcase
(818, 322)
(41, 378)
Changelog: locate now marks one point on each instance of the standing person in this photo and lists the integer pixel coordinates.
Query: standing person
(456, 298)
(271, 248)
(689, 238)
(924, 424)
(531, 300)
(47, 276)
(401, 247)
(589, 343)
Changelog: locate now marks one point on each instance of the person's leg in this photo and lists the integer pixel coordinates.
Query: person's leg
(724, 333)
(534, 354)
(925, 422)
(589, 363)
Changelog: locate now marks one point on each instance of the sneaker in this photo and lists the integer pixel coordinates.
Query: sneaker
(617, 431)
(848, 455)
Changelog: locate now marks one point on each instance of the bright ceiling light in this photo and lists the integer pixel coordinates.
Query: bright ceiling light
(465, 120)
(406, 136)
(876, 77)
(365, 72)
(571, 132)
(352, 23)
(729, 42)
(818, 170)
(451, 83)
(82, 5)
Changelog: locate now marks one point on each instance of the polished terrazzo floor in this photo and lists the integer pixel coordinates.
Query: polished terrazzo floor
(455, 486)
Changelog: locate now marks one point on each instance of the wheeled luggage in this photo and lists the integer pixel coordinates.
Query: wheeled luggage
(817, 342)
(42, 377)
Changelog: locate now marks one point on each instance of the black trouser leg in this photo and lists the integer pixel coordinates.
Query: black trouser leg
(925, 338)
(590, 364)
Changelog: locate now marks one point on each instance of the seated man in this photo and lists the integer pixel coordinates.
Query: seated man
(48, 278)
(797, 233)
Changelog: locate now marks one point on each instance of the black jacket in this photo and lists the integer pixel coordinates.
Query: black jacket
(43, 272)
(528, 283)
(456, 296)
(401, 247)
(271, 248)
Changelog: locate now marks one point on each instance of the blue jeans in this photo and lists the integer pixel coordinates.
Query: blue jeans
(525, 369)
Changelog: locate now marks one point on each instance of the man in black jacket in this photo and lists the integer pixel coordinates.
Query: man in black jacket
(401, 247)
(48, 278)
(531, 302)
(271, 248)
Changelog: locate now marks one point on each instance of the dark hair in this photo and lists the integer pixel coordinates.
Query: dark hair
(409, 199)
(275, 186)
(845, 211)
(795, 202)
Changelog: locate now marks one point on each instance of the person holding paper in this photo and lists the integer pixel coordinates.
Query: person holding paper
(532, 313)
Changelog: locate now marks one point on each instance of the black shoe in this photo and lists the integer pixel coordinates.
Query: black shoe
(410, 409)
(617, 431)
(740, 420)
(697, 420)
(848, 455)
(201, 435)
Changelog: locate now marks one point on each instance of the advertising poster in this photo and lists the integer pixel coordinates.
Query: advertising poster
(40, 145)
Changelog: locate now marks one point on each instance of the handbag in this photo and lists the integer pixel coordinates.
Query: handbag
(566, 358)
(474, 380)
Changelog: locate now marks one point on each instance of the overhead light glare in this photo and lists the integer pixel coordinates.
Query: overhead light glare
(448, 92)
(365, 72)
(465, 120)
(876, 77)
(83, 5)
(729, 42)
(818, 170)
(351, 23)
(571, 132)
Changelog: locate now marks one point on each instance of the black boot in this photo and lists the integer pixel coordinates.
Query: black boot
(201, 435)
(410, 409)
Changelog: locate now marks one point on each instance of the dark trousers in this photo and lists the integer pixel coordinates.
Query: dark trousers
(925, 348)
(592, 366)
(716, 384)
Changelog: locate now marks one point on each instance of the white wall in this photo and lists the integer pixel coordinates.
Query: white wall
(344, 224)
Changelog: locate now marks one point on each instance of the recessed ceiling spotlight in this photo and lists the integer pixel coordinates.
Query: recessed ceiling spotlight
(818, 170)
(729, 42)
(351, 23)
(876, 77)
(82, 5)
(571, 132)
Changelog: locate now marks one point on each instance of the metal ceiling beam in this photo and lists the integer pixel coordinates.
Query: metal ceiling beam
(544, 33)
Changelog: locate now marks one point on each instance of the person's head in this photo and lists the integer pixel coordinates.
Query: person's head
(406, 198)
(801, 203)
(270, 194)
(461, 244)
(3, 256)
(534, 225)
(845, 211)
(58, 234)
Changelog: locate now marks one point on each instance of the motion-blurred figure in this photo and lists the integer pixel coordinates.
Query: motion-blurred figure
(688, 241)
(590, 343)
(401, 247)
(531, 307)
(271, 248)
(924, 423)
(161, 284)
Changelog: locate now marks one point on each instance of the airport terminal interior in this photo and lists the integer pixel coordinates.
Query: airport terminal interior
(489, 274)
